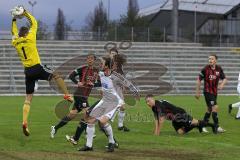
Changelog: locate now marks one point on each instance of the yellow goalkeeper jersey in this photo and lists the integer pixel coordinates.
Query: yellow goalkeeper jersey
(26, 47)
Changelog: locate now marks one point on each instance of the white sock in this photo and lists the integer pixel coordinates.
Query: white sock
(90, 132)
(236, 105)
(109, 131)
(121, 115)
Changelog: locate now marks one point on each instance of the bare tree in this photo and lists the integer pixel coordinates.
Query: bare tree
(42, 33)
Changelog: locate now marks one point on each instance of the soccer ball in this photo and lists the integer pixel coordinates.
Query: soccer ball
(17, 12)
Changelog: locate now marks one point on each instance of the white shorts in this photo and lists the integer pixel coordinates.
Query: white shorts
(104, 108)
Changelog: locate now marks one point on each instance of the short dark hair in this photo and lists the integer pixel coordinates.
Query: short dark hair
(114, 49)
(23, 31)
(149, 96)
(92, 54)
(120, 59)
(108, 61)
(214, 55)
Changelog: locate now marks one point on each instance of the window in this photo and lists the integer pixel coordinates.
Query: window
(234, 14)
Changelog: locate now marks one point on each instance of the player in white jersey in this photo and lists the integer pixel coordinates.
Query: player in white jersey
(118, 60)
(236, 105)
(106, 108)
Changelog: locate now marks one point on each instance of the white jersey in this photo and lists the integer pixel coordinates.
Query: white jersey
(110, 100)
(109, 84)
(238, 86)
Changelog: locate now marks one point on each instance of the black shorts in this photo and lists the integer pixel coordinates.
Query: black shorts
(182, 121)
(34, 73)
(211, 99)
(80, 103)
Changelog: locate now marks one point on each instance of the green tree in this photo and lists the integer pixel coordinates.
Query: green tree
(98, 18)
(60, 26)
(132, 13)
(132, 19)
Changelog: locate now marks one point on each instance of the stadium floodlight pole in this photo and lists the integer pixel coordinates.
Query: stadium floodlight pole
(195, 22)
(32, 3)
(108, 11)
(175, 20)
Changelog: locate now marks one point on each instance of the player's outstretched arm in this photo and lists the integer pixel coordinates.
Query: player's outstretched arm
(15, 14)
(33, 23)
(14, 28)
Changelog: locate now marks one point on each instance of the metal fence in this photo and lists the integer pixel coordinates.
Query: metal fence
(211, 33)
(134, 34)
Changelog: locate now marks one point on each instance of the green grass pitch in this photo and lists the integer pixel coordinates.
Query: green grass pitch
(139, 143)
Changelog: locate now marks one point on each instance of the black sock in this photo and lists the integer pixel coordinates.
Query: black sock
(209, 124)
(63, 122)
(82, 127)
(207, 116)
(215, 118)
(201, 123)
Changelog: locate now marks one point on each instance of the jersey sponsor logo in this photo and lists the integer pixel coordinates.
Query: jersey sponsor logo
(212, 102)
(212, 77)
(84, 104)
(104, 85)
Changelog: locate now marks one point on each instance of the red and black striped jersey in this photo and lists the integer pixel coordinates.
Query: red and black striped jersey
(211, 78)
(86, 75)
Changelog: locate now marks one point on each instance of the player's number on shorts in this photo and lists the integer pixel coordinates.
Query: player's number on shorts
(24, 53)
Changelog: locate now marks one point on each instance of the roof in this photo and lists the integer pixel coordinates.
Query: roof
(204, 6)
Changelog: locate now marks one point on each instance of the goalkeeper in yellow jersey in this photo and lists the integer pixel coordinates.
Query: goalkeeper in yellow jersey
(24, 42)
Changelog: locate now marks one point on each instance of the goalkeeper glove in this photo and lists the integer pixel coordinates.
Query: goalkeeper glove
(17, 12)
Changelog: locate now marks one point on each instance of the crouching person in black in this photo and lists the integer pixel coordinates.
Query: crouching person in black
(181, 120)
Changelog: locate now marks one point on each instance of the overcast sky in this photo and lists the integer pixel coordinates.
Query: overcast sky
(75, 11)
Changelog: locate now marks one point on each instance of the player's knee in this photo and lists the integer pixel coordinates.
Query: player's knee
(27, 102)
(209, 110)
(122, 108)
(72, 114)
(180, 131)
(55, 76)
(90, 120)
(194, 122)
(28, 98)
(215, 108)
(104, 120)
